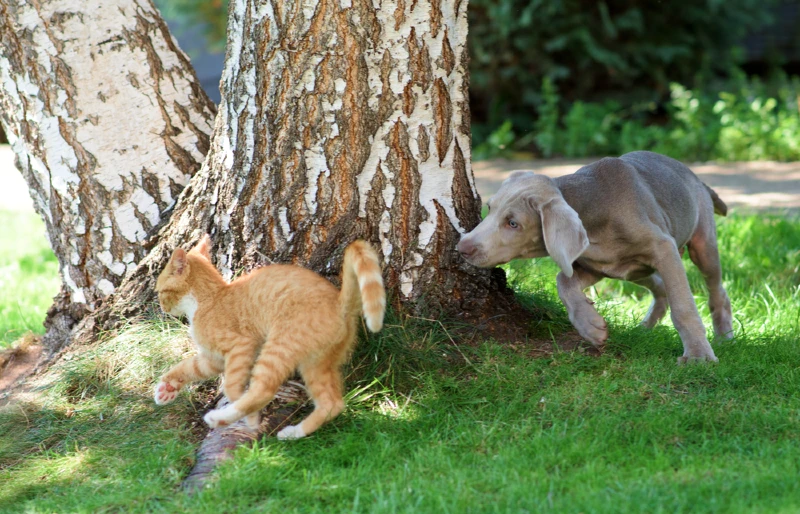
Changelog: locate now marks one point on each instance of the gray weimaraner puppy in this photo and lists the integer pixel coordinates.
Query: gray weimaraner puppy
(626, 218)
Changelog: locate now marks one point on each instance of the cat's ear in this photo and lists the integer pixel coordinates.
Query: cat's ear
(179, 262)
(204, 247)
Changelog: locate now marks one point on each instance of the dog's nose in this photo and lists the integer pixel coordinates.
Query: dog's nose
(466, 248)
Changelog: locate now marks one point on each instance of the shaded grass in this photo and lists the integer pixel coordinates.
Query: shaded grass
(94, 427)
(28, 275)
(435, 427)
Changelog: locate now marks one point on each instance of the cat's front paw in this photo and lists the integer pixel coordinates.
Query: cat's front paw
(291, 432)
(223, 417)
(166, 391)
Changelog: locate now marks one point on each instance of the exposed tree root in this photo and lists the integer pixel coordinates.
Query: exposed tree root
(220, 442)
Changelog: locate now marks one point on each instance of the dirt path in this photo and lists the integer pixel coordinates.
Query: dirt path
(747, 186)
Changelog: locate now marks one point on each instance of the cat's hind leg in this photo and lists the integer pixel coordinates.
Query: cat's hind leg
(238, 365)
(271, 369)
(324, 384)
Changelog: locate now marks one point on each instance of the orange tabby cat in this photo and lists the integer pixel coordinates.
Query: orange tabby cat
(262, 326)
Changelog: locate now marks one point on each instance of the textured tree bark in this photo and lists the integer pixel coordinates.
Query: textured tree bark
(109, 123)
(342, 120)
(350, 119)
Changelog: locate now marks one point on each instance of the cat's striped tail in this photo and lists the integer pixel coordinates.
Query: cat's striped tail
(362, 285)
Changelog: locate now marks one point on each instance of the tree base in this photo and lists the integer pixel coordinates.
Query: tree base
(62, 318)
(492, 311)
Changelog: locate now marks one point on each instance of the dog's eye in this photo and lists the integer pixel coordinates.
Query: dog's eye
(513, 224)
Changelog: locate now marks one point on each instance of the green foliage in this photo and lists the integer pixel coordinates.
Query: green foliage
(588, 126)
(625, 50)
(743, 120)
(547, 123)
(497, 144)
(211, 15)
(756, 126)
(432, 426)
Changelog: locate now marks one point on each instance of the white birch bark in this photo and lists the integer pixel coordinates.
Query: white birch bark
(108, 122)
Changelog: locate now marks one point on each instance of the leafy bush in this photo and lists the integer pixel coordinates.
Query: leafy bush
(745, 120)
(210, 15)
(547, 123)
(629, 51)
(759, 126)
(497, 144)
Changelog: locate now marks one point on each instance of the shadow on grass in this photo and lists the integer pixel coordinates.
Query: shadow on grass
(110, 451)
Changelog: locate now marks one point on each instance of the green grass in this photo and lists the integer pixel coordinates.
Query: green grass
(446, 428)
(28, 275)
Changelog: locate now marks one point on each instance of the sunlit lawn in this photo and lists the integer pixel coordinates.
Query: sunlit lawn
(28, 275)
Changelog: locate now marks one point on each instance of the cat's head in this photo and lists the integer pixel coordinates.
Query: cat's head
(174, 284)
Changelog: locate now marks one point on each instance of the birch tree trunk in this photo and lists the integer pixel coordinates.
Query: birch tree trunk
(339, 120)
(108, 122)
(363, 125)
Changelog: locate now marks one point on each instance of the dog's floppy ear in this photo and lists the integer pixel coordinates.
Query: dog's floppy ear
(563, 233)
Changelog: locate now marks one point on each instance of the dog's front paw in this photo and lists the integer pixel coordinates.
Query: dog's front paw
(166, 391)
(698, 357)
(683, 359)
(291, 432)
(222, 417)
(594, 329)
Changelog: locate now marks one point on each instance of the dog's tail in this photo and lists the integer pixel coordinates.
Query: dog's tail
(362, 285)
(719, 206)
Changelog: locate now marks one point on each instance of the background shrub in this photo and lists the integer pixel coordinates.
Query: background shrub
(744, 120)
(628, 51)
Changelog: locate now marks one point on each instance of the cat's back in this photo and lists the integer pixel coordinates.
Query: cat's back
(291, 276)
(288, 287)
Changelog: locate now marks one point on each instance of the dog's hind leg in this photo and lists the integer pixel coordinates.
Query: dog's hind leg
(703, 252)
(584, 317)
(660, 304)
(682, 308)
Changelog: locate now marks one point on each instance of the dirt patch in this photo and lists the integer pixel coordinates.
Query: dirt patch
(18, 363)
(505, 322)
